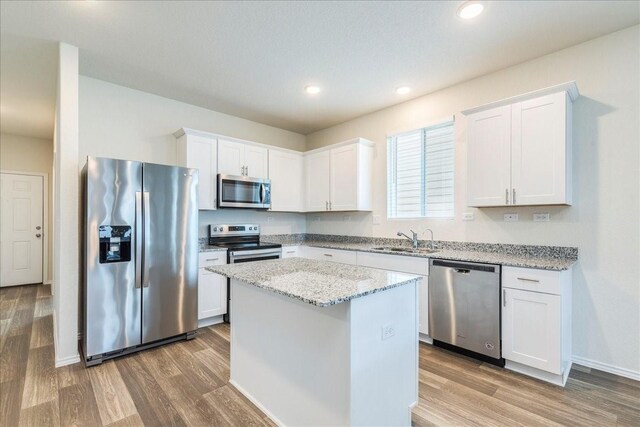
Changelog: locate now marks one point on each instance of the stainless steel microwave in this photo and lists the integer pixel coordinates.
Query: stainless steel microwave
(243, 192)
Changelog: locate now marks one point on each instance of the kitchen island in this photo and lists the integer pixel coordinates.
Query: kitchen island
(322, 343)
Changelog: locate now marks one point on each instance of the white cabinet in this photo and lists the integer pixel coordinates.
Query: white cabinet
(339, 178)
(290, 251)
(536, 322)
(212, 287)
(519, 150)
(237, 158)
(286, 172)
(334, 255)
(404, 264)
(197, 151)
(318, 181)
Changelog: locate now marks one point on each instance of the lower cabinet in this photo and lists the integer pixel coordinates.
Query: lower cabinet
(405, 264)
(536, 322)
(212, 287)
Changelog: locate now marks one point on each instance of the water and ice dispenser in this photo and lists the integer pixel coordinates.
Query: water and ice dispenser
(115, 243)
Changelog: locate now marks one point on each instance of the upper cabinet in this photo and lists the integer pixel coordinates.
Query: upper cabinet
(199, 151)
(286, 172)
(519, 149)
(237, 158)
(339, 177)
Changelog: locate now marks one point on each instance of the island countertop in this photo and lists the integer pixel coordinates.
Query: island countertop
(320, 283)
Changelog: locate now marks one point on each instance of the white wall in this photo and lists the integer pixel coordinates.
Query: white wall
(124, 123)
(66, 211)
(603, 222)
(26, 154)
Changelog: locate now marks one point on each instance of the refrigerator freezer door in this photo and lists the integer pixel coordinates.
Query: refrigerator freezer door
(170, 268)
(111, 299)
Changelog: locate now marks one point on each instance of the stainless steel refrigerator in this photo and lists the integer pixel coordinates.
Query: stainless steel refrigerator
(140, 223)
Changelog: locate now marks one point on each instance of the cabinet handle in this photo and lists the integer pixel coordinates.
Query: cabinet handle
(290, 252)
(246, 170)
(504, 297)
(528, 280)
(514, 196)
(326, 206)
(327, 255)
(330, 206)
(506, 196)
(213, 259)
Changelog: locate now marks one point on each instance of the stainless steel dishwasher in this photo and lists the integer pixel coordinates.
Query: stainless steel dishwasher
(464, 308)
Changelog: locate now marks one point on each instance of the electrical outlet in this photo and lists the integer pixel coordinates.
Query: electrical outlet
(511, 217)
(388, 330)
(541, 217)
(315, 218)
(269, 219)
(467, 216)
(376, 220)
(346, 218)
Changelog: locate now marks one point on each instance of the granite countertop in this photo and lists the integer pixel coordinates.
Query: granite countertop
(208, 248)
(540, 257)
(321, 283)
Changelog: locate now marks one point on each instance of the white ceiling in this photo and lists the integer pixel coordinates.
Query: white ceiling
(252, 59)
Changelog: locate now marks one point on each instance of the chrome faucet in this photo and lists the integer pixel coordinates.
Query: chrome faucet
(431, 241)
(414, 239)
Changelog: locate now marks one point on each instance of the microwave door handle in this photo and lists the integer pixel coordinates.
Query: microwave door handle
(263, 193)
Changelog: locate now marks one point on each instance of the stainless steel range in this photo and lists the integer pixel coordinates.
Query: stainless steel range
(243, 245)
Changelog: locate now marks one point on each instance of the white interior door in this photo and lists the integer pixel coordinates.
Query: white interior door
(21, 229)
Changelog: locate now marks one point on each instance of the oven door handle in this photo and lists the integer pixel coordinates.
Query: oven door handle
(252, 254)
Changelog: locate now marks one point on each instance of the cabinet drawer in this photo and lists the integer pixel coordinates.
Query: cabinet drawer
(334, 255)
(405, 264)
(531, 279)
(290, 251)
(207, 259)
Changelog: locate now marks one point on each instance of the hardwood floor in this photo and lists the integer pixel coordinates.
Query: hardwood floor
(186, 383)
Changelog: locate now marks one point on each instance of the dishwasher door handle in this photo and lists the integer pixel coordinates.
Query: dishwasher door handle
(462, 270)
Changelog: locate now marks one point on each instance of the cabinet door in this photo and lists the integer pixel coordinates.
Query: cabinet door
(212, 287)
(344, 178)
(333, 255)
(531, 329)
(423, 308)
(230, 157)
(286, 172)
(317, 188)
(201, 154)
(538, 162)
(489, 158)
(256, 161)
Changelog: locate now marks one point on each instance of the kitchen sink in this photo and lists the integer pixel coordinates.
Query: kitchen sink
(405, 250)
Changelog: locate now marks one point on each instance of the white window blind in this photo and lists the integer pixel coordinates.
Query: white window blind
(420, 173)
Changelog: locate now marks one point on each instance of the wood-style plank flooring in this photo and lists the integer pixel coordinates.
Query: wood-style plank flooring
(186, 383)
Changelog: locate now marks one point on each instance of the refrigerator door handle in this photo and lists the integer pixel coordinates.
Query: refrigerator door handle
(145, 237)
(138, 237)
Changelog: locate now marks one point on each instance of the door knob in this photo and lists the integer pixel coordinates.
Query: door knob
(38, 227)
(38, 235)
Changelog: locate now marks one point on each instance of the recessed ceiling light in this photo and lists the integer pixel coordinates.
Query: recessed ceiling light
(402, 90)
(470, 9)
(312, 89)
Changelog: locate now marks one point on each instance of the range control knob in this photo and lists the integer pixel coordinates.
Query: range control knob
(215, 228)
(250, 228)
(221, 228)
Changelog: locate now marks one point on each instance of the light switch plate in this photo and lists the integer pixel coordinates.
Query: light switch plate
(510, 217)
(467, 216)
(541, 217)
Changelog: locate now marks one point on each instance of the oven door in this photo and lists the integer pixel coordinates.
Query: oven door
(236, 257)
(243, 192)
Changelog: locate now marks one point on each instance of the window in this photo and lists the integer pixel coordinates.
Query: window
(420, 168)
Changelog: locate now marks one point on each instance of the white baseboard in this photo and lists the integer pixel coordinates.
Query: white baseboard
(47, 282)
(425, 338)
(623, 372)
(257, 403)
(202, 323)
(69, 360)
